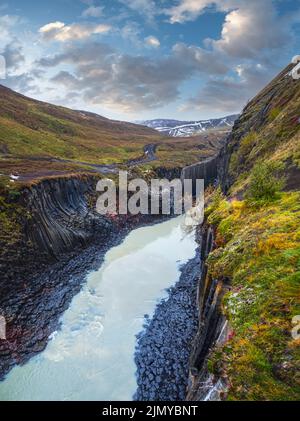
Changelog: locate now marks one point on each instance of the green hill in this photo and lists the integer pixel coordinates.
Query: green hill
(257, 250)
(39, 140)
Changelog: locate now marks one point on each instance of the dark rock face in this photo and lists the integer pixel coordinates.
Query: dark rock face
(168, 174)
(253, 119)
(63, 239)
(213, 328)
(211, 321)
(57, 218)
(33, 305)
(61, 217)
(163, 348)
(172, 340)
(206, 170)
(40, 279)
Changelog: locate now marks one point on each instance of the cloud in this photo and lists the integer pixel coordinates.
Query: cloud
(87, 54)
(22, 83)
(98, 76)
(204, 61)
(7, 23)
(152, 41)
(249, 28)
(146, 8)
(253, 35)
(187, 10)
(132, 32)
(93, 12)
(129, 83)
(252, 29)
(14, 56)
(59, 31)
(231, 94)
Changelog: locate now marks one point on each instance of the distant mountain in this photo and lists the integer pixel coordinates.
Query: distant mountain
(176, 128)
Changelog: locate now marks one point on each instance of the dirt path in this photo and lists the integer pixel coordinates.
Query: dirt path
(148, 156)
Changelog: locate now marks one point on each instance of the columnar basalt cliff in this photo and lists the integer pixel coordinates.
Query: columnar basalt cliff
(238, 353)
(206, 170)
(213, 327)
(62, 218)
(55, 217)
(61, 238)
(46, 267)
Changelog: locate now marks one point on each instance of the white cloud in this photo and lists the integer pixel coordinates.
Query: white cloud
(187, 10)
(127, 83)
(230, 94)
(152, 41)
(7, 23)
(59, 31)
(132, 32)
(252, 29)
(146, 8)
(93, 12)
(53, 26)
(249, 28)
(99, 76)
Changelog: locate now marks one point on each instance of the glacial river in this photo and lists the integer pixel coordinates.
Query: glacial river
(92, 356)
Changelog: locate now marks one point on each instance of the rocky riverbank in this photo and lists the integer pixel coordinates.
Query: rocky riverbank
(34, 306)
(164, 346)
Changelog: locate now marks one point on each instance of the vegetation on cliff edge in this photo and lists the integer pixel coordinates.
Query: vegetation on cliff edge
(257, 247)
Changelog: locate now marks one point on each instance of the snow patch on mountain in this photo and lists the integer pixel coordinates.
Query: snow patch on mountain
(176, 128)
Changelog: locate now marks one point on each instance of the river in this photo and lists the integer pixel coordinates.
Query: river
(92, 356)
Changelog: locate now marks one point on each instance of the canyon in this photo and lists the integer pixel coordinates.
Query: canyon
(61, 239)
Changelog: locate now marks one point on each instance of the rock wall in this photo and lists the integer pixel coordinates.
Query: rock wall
(169, 174)
(206, 170)
(213, 328)
(62, 217)
(58, 218)
(212, 325)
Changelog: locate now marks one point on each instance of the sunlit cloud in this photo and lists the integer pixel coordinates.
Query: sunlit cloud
(152, 41)
(59, 31)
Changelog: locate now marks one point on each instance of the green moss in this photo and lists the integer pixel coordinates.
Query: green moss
(258, 249)
(11, 213)
(265, 182)
(267, 131)
(274, 113)
(239, 157)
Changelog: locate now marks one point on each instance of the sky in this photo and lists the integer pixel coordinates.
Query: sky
(144, 59)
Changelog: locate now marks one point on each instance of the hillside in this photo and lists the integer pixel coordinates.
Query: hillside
(30, 128)
(177, 128)
(256, 256)
(268, 130)
(39, 140)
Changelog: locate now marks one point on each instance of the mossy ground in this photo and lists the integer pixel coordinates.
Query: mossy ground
(258, 250)
(12, 213)
(257, 247)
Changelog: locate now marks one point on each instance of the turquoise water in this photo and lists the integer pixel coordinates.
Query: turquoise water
(92, 356)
